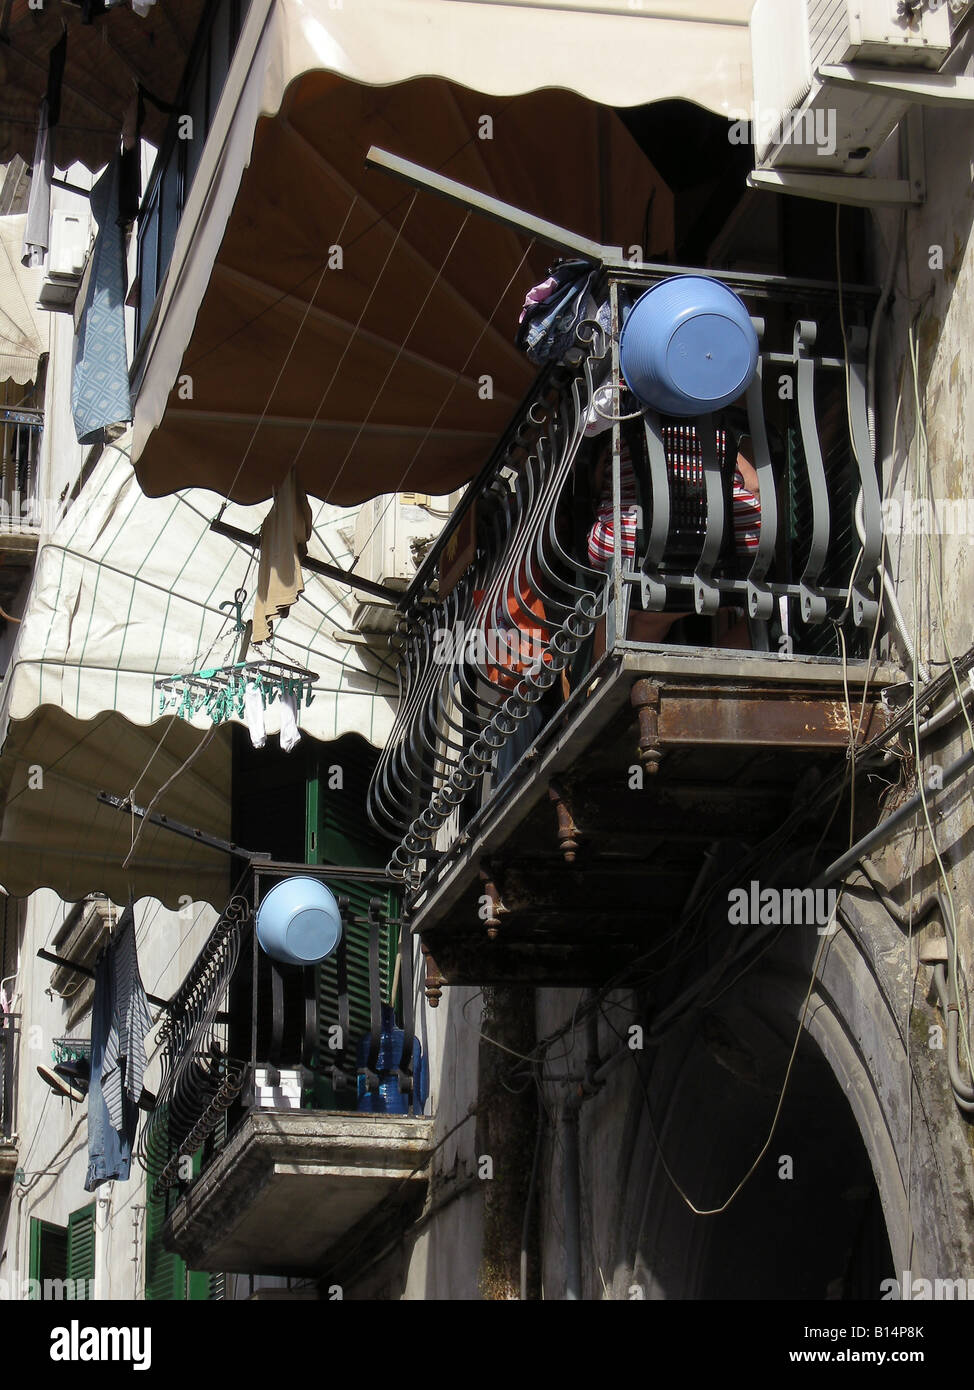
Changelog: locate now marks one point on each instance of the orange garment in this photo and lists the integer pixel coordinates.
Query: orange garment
(525, 637)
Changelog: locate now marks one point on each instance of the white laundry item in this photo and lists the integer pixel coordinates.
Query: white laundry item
(254, 714)
(290, 736)
(596, 422)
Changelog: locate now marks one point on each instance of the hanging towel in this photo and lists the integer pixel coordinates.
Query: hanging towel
(290, 736)
(100, 381)
(37, 229)
(283, 545)
(123, 1067)
(254, 714)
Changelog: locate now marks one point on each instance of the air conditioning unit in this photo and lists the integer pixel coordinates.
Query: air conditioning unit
(66, 258)
(809, 117)
(393, 533)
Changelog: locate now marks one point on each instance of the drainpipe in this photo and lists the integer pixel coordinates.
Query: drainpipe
(882, 832)
(103, 1213)
(573, 1240)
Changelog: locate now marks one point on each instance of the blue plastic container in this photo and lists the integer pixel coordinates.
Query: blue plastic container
(298, 921)
(389, 1099)
(688, 346)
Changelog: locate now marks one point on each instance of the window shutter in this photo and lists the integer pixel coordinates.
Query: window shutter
(340, 832)
(165, 1272)
(48, 1252)
(166, 1277)
(81, 1250)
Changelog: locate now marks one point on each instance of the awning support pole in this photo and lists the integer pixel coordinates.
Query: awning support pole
(122, 803)
(354, 581)
(505, 213)
(90, 974)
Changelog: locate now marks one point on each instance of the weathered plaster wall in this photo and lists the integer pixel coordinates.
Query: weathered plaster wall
(53, 1132)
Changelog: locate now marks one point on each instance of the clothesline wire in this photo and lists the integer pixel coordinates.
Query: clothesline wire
(402, 345)
(376, 221)
(137, 835)
(446, 399)
(351, 337)
(287, 357)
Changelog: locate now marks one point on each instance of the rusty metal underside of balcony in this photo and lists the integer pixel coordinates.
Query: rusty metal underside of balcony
(571, 872)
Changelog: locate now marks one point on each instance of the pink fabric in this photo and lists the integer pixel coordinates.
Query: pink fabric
(537, 295)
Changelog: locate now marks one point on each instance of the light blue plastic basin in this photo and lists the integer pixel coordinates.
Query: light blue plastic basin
(688, 346)
(298, 921)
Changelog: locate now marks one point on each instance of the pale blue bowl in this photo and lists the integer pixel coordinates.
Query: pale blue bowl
(298, 921)
(688, 346)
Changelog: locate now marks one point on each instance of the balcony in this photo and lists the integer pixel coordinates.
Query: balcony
(578, 744)
(8, 1139)
(20, 503)
(278, 1094)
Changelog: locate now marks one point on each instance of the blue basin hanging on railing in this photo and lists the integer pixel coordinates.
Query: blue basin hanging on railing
(299, 922)
(688, 346)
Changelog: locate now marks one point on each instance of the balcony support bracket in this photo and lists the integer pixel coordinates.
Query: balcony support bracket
(568, 832)
(645, 701)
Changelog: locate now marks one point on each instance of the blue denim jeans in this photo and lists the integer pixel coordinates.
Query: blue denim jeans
(109, 1149)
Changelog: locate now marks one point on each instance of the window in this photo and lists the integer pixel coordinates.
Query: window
(166, 1277)
(62, 1258)
(180, 153)
(308, 806)
(79, 939)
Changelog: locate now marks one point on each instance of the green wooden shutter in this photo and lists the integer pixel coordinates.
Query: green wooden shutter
(165, 1272)
(81, 1250)
(48, 1252)
(166, 1277)
(339, 832)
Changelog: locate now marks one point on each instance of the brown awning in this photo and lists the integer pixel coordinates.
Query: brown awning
(105, 59)
(403, 367)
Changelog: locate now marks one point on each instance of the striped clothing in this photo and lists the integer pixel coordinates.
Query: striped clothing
(601, 537)
(684, 463)
(747, 517)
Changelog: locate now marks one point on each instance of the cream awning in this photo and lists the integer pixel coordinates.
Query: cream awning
(23, 327)
(128, 590)
(383, 388)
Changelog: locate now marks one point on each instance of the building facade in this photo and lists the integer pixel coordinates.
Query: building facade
(636, 751)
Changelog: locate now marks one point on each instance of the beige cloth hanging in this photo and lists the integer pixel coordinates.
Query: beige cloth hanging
(283, 545)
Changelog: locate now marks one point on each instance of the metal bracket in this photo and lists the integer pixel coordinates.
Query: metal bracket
(924, 88)
(852, 189)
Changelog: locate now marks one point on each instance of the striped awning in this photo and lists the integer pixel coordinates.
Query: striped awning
(24, 328)
(127, 591)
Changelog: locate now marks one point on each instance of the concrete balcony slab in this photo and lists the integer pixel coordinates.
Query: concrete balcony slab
(290, 1182)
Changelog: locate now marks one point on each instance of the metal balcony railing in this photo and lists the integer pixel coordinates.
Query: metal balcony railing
(240, 1022)
(513, 607)
(20, 447)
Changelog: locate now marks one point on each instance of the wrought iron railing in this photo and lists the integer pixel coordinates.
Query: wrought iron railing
(199, 1080)
(511, 608)
(20, 446)
(240, 1022)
